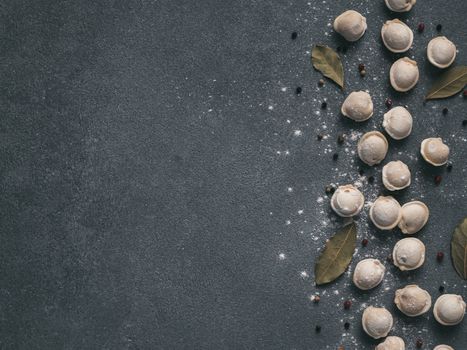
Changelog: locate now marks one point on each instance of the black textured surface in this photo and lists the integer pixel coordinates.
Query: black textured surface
(147, 152)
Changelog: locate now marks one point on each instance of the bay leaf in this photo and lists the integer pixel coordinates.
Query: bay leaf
(449, 83)
(328, 62)
(459, 249)
(336, 255)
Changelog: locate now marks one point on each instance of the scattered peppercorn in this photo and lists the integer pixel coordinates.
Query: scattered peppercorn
(421, 27)
(347, 325)
(362, 73)
(438, 179)
(445, 110)
(324, 105)
(316, 299)
(330, 189)
(320, 137)
(388, 103)
(318, 329)
(298, 90)
(439, 27)
(320, 82)
(439, 256)
(364, 242)
(340, 139)
(361, 67)
(419, 343)
(361, 172)
(449, 167)
(371, 179)
(441, 289)
(347, 304)
(464, 122)
(389, 259)
(294, 35)
(335, 156)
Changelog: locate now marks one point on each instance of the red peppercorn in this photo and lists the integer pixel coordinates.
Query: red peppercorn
(465, 93)
(347, 304)
(421, 27)
(438, 179)
(316, 299)
(364, 242)
(439, 256)
(388, 103)
(419, 343)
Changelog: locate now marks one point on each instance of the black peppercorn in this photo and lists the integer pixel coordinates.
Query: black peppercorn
(421, 27)
(335, 156)
(361, 172)
(388, 103)
(298, 90)
(319, 137)
(330, 189)
(445, 110)
(324, 105)
(439, 256)
(347, 304)
(294, 35)
(439, 27)
(347, 325)
(441, 289)
(364, 242)
(419, 343)
(437, 179)
(318, 329)
(340, 139)
(464, 122)
(371, 179)
(361, 67)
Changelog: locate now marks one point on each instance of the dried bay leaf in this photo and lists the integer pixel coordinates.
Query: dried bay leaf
(336, 255)
(459, 249)
(328, 62)
(449, 83)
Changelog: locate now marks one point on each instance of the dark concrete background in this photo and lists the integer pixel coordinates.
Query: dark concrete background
(153, 182)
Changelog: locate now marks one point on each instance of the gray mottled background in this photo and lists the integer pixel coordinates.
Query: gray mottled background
(162, 186)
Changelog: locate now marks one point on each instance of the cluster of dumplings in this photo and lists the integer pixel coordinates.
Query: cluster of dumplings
(412, 301)
(397, 37)
(385, 212)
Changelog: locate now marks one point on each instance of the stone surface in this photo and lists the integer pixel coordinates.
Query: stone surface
(163, 185)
